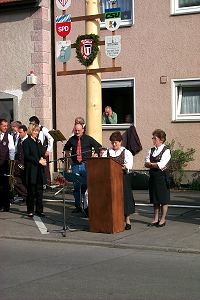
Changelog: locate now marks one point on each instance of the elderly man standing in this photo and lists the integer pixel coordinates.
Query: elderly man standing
(7, 152)
(81, 146)
(109, 116)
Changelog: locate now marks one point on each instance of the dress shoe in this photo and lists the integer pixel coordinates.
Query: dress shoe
(86, 212)
(128, 227)
(40, 214)
(30, 215)
(161, 225)
(153, 224)
(6, 209)
(76, 210)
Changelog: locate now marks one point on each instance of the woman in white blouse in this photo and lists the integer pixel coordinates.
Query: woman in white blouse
(157, 161)
(125, 158)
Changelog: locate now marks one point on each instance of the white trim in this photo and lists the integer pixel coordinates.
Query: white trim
(176, 103)
(176, 10)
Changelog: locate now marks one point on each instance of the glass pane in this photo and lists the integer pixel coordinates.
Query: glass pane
(190, 103)
(188, 3)
(6, 109)
(125, 5)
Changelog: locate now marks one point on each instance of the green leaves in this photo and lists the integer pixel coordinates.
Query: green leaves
(179, 160)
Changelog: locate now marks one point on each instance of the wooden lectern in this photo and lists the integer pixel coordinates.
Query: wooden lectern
(105, 194)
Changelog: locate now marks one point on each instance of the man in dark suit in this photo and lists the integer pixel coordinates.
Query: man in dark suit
(19, 173)
(7, 152)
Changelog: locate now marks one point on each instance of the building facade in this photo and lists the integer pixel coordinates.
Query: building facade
(158, 86)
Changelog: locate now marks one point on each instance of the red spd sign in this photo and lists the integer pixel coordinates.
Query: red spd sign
(63, 25)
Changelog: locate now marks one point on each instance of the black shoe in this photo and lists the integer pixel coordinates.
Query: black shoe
(153, 224)
(76, 210)
(30, 215)
(6, 209)
(128, 227)
(161, 225)
(40, 214)
(86, 212)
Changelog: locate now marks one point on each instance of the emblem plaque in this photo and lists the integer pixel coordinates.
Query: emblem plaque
(63, 51)
(63, 4)
(113, 45)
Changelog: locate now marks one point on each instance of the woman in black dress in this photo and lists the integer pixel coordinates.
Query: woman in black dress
(125, 158)
(34, 164)
(157, 160)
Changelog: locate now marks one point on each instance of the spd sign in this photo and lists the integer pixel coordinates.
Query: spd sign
(63, 25)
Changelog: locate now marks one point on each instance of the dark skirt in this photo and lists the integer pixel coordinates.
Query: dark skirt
(159, 192)
(129, 203)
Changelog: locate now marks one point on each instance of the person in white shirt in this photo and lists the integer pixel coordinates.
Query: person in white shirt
(157, 161)
(7, 152)
(125, 158)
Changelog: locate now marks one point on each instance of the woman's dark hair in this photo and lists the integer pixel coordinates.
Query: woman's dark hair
(160, 134)
(34, 120)
(116, 136)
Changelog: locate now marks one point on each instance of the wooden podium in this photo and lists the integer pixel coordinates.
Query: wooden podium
(105, 194)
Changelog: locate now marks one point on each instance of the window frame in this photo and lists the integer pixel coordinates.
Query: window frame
(176, 10)
(176, 100)
(109, 83)
(124, 23)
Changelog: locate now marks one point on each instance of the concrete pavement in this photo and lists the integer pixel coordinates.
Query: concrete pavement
(181, 233)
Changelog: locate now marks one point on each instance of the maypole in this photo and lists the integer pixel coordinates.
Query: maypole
(93, 81)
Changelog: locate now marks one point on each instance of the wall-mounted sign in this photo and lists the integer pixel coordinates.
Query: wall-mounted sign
(113, 45)
(63, 25)
(63, 51)
(112, 18)
(63, 4)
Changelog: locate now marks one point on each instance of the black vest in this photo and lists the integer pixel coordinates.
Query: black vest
(4, 150)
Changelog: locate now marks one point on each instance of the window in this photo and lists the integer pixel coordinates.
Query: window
(185, 6)
(6, 109)
(186, 100)
(126, 10)
(119, 94)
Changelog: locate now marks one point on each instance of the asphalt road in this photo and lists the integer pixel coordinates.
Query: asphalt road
(48, 270)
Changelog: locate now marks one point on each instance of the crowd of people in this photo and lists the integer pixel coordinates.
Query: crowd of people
(24, 169)
(29, 148)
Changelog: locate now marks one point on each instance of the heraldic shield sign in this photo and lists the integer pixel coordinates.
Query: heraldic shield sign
(63, 51)
(63, 4)
(112, 18)
(63, 25)
(87, 48)
(113, 45)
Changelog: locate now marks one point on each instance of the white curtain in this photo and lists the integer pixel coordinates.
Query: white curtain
(190, 103)
(188, 3)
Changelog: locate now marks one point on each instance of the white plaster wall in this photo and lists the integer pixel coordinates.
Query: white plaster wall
(15, 59)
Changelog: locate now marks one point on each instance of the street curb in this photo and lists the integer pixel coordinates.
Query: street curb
(105, 244)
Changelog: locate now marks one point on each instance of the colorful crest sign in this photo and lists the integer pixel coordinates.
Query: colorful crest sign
(87, 48)
(63, 25)
(63, 4)
(113, 45)
(63, 51)
(112, 18)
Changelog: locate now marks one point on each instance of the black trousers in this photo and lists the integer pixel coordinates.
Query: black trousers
(34, 198)
(20, 187)
(4, 193)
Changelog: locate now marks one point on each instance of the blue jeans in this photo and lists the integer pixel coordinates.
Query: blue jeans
(80, 185)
